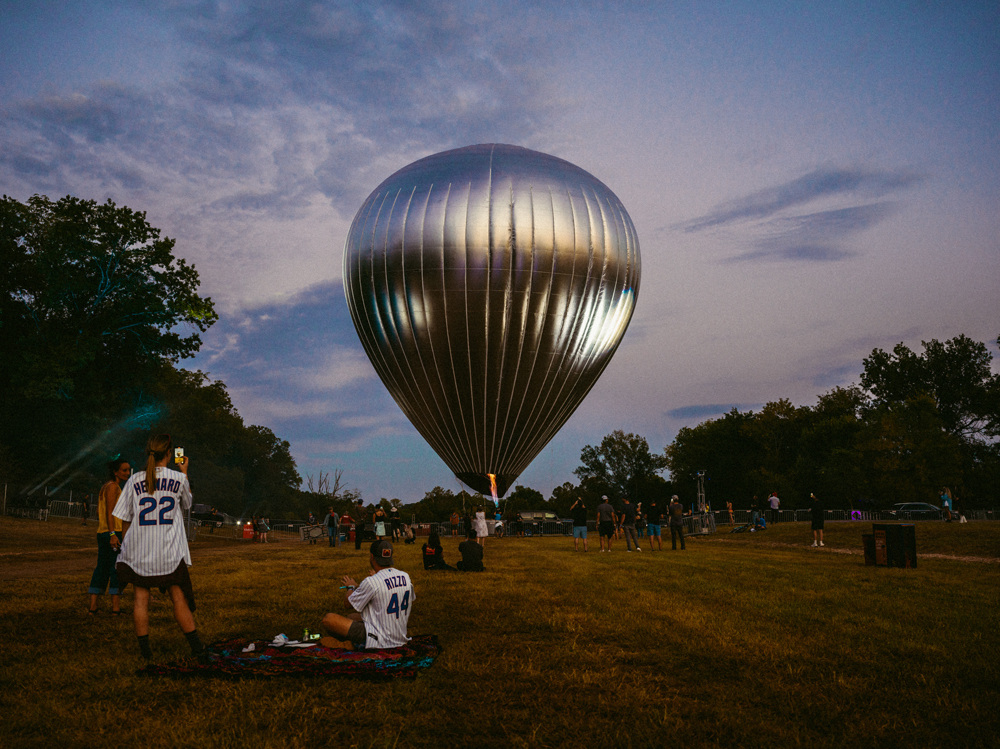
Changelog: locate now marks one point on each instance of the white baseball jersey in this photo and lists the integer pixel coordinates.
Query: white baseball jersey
(383, 599)
(156, 541)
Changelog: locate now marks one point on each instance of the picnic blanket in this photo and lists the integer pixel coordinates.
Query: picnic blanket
(256, 659)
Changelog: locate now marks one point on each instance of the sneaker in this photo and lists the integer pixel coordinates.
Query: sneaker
(637, 548)
(815, 544)
(822, 544)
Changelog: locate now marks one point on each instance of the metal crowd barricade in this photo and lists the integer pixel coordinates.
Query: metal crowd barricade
(699, 524)
(31, 513)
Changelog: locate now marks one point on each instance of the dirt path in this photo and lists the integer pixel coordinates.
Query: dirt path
(852, 552)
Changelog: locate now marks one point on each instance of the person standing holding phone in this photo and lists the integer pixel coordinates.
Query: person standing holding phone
(155, 551)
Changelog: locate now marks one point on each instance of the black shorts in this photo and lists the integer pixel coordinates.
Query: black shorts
(817, 525)
(606, 528)
(178, 577)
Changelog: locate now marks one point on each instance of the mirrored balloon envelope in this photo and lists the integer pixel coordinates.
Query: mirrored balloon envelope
(490, 286)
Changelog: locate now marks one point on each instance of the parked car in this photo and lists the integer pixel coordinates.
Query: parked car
(916, 511)
(207, 516)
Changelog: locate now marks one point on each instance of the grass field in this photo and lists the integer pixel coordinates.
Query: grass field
(742, 640)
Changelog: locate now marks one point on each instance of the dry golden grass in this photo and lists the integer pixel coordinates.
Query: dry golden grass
(739, 641)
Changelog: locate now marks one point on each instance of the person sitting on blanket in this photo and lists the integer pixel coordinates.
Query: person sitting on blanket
(472, 554)
(381, 605)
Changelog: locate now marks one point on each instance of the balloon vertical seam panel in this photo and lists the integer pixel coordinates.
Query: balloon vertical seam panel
(448, 422)
(489, 325)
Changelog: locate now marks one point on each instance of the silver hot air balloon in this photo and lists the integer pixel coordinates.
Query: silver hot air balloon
(490, 287)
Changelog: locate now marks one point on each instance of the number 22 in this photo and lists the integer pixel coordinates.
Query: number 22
(147, 505)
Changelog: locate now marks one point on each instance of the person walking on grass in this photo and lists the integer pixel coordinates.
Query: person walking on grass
(332, 523)
(481, 530)
(578, 511)
(109, 536)
(816, 515)
(155, 551)
(85, 510)
(606, 522)
(381, 605)
(653, 522)
(629, 514)
(676, 522)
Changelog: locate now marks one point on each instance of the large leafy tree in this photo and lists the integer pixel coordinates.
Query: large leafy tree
(934, 418)
(92, 306)
(94, 315)
(438, 504)
(522, 498)
(725, 450)
(237, 468)
(956, 374)
(622, 462)
(909, 453)
(828, 460)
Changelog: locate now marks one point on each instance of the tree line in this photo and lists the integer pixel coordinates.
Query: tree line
(916, 423)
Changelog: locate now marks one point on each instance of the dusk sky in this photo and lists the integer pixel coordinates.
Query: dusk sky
(808, 182)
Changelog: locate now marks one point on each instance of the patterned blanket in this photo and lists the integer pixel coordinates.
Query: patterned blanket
(233, 659)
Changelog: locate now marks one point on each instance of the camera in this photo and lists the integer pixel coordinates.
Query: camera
(179, 455)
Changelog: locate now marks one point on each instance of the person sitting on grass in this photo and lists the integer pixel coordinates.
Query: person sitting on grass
(433, 554)
(409, 536)
(381, 605)
(472, 554)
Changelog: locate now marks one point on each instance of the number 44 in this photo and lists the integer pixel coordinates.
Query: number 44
(396, 606)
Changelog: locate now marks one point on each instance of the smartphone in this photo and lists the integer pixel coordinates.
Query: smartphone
(178, 455)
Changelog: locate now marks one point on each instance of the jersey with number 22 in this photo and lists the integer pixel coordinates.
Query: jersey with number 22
(156, 541)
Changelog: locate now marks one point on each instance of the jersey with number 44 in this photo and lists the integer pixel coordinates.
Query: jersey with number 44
(156, 541)
(383, 599)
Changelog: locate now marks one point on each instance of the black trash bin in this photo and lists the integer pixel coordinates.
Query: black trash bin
(895, 544)
(868, 541)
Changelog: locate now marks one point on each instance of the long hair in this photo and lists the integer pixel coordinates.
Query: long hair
(113, 466)
(434, 540)
(156, 450)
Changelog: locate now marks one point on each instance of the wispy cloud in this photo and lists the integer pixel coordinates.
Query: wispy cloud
(279, 112)
(770, 222)
(706, 410)
(817, 237)
(819, 184)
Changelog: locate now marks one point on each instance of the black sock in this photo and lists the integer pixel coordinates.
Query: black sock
(144, 647)
(194, 641)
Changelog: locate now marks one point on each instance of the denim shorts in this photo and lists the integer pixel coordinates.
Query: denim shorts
(652, 529)
(579, 531)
